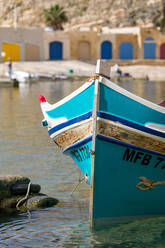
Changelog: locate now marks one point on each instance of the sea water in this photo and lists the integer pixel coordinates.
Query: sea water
(26, 149)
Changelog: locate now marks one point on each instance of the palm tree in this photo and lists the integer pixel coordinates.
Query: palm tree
(162, 21)
(55, 16)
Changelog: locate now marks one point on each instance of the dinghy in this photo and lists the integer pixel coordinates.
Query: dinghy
(117, 139)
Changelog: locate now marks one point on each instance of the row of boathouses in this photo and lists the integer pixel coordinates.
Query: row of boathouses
(38, 44)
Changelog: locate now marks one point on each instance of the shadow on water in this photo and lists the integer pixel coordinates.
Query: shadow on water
(139, 233)
(8, 215)
(22, 230)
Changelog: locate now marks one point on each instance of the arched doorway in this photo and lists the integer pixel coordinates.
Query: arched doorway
(106, 50)
(56, 50)
(162, 51)
(149, 48)
(84, 50)
(126, 50)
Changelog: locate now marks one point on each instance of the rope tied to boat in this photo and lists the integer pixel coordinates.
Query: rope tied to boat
(148, 184)
(24, 198)
(84, 178)
(95, 76)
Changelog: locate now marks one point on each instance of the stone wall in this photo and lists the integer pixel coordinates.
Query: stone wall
(34, 43)
(22, 37)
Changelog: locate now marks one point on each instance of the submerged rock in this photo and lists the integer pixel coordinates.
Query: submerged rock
(34, 201)
(40, 201)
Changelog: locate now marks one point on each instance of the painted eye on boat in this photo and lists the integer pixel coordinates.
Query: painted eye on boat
(44, 123)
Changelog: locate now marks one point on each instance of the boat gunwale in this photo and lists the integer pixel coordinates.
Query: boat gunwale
(135, 130)
(70, 96)
(110, 85)
(129, 123)
(122, 143)
(78, 143)
(111, 140)
(65, 129)
(105, 116)
(132, 96)
(70, 122)
(109, 123)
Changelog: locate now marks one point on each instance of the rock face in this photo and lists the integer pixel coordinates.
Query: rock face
(7, 182)
(13, 194)
(20, 189)
(89, 13)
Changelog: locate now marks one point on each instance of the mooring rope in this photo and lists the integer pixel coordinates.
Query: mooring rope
(24, 198)
(84, 178)
(96, 76)
(77, 184)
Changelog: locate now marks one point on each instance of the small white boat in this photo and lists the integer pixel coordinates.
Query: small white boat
(22, 77)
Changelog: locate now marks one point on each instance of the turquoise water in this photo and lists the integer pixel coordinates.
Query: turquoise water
(26, 149)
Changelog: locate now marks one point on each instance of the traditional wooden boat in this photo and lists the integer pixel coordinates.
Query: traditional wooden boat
(118, 141)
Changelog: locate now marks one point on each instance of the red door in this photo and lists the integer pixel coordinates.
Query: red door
(162, 51)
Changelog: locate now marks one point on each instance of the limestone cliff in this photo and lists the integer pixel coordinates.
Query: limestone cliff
(84, 13)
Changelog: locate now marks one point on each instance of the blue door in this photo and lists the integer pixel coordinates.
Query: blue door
(149, 48)
(55, 50)
(126, 50)
(106, 50)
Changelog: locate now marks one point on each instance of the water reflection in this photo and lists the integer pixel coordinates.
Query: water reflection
(26, 149)
(153, 91)
(146, 232)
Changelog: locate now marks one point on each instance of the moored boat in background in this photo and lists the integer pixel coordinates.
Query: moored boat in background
(118, 141)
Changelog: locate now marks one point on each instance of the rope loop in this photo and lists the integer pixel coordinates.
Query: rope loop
(24, 198)
(148, 184)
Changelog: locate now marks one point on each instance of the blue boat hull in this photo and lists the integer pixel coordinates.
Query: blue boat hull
(80, 153)
(118, 141)
(118, 167)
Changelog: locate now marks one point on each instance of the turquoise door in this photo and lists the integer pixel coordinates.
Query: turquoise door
(149, 48)
(55, 50)
(106, 50)
(126, 50)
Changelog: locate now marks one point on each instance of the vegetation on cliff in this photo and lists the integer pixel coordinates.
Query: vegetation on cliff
(55, 16)
(85, 13)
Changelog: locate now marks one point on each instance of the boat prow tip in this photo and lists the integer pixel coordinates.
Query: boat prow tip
(42, 99)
